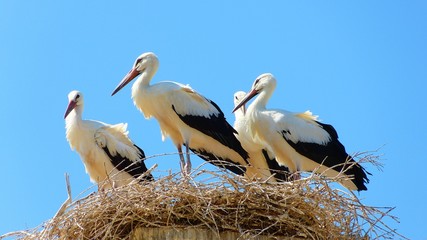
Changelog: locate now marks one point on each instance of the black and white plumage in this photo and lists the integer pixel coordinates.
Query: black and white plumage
(188, 118)
(106, 150)
(298, 140)
(262, 163)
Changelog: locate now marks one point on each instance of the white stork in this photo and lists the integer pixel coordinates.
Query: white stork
(298, 140)
(185, 116)
(106, 150)
(263, 164)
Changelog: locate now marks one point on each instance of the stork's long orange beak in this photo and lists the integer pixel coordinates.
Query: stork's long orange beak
(246, 99)
(71, 106)
(127, 79)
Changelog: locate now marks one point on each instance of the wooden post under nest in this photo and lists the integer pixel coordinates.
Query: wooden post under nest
(191, 233)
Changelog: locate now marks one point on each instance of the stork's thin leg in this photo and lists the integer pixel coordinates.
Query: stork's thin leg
(182, 161)
(188, 163)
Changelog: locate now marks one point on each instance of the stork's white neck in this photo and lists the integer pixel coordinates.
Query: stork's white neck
(74, 117)
(144, 79)
(240, 113)
(261, 100)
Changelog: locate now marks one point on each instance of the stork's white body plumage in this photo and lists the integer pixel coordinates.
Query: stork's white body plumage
(185, 116)
(298, 140)
(106, 150)
(262, 162)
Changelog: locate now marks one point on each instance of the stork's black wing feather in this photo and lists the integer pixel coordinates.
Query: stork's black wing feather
(219, 129)
(281, 172)
(135, 169)
(332, 155)
(220, 162)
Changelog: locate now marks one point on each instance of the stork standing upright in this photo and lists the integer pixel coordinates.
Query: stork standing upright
(263, 164)
(106, 150)
(185, 116)
(298, 140)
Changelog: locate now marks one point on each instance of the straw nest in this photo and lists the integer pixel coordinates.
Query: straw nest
(217, 202)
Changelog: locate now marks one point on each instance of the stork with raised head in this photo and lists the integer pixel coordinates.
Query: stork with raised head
(106, 150)
(188, 118)
(262, 163)
(298, 140)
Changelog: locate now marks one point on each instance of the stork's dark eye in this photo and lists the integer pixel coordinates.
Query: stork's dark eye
(256, 82)
(77, 96)
(137, 61)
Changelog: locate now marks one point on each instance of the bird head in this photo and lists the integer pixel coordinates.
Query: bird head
(75, 99)
(145, 61)
(263, 83)
(238, 96)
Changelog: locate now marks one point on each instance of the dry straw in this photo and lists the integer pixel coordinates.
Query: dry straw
(309, 208)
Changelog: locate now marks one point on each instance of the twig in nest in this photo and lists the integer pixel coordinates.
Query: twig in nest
(67, 202)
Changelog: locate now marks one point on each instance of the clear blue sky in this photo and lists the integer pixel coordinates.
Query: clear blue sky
(360, 65)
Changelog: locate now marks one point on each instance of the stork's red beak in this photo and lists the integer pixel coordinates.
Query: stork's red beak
(246, 99)
(70, 108)
(127, 79)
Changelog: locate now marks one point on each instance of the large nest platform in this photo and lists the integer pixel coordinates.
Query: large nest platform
(215, 205)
